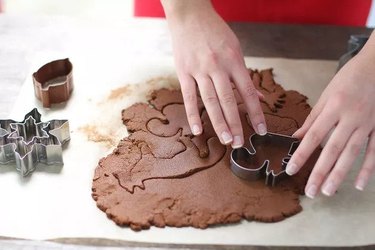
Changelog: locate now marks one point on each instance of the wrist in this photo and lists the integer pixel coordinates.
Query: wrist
(181, 10)
(367, 53)
(364, 61)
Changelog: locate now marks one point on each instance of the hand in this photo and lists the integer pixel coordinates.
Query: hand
(347, 108)
(208, 55)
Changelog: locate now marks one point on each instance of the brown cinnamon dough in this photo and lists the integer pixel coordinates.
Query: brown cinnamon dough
(162, 175)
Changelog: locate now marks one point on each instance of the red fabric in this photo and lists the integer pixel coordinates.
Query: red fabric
(338, 12)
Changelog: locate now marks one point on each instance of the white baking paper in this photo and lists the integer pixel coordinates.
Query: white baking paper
(51, 204)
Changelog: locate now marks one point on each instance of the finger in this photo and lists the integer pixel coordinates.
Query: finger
(260, 95)
(368, 164)
(328, 157)
(189, 93)
(314, 136)
(249, 95)
(317, 109)
(212, 104)
(229, 107)
(344, 162)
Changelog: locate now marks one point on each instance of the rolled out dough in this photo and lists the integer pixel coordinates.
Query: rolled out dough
(162, 175)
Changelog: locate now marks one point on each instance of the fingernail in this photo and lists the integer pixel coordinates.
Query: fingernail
(227, 138)
(311, 191)
(196, 130)
(262, 130)
(237, 142)
(329, 189)
(360, 185)
(291, 168)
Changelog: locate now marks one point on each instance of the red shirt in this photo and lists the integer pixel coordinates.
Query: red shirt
(337, 12)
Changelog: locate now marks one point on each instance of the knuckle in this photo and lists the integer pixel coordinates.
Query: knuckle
(335, 149)
(227, 98)
(311, 115)
(299, 156)
(189, 97)
(219, 126)
(236, 126)
(354, 148)
(314, 137)
(184, 62)
(257, 116)
(249, 92)
(319, 175)
(212, 59)
(236, 49)
(338, 99)
(339, 175)
(368, 170)
(210, 99)
(192, 116)
(217, 121)
(361, 106)
(232, 53)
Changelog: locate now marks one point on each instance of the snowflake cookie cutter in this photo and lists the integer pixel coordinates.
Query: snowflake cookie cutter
(32, 141)
(254, 162)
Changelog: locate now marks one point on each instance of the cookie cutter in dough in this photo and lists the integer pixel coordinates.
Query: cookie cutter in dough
(32, 141)
(355, 44)
(53, 82)
(243, 159)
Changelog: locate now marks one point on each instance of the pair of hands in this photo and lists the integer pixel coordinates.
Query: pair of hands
(208, 56)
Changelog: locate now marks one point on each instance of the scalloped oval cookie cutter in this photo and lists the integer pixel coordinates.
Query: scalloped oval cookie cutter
(53, 82)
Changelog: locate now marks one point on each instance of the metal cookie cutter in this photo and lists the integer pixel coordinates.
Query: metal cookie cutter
(53, 83)
(32, 141)
(255, 162)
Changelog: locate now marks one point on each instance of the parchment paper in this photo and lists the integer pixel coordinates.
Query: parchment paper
(50, 205)
(55, 203)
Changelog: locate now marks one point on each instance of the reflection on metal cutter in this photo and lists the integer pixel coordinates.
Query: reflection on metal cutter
(32, 141)
(254, 163)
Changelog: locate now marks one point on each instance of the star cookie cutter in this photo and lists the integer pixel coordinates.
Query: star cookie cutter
(53, 82)
(32, 141)
(255, 162)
